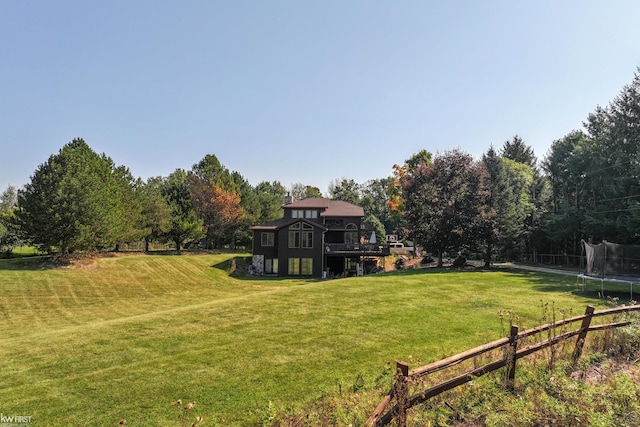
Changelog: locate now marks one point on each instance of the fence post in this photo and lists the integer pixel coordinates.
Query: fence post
(582, 336)
(402, 392)
(511, 357)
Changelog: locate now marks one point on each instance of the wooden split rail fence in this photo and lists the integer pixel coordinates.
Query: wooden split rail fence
(385, 413)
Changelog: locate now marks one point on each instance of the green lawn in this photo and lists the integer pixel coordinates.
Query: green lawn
(123, 337)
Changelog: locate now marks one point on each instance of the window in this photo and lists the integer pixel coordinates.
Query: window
(267, 239)
(297, 213)
(301, 239)
(307, 239)
(294, 266)
(311, 214)
(351, 235)
(307, 236)
(271, 265)
(300, 266)
(307, 266)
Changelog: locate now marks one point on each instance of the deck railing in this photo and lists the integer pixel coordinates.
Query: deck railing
(357, 249)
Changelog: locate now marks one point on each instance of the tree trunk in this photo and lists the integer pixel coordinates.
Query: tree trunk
(487, 255)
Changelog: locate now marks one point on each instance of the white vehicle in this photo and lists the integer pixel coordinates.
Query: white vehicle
(401, 249)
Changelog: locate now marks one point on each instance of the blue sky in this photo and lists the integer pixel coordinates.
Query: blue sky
(301, 91)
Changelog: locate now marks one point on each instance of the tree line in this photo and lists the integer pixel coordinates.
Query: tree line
(506, 205)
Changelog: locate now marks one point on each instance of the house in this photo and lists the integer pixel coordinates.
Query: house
(316, 237)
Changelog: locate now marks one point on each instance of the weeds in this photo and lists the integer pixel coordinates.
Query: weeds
(184, 413)
(598, 390)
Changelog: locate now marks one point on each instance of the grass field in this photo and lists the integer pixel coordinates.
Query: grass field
(122, 337)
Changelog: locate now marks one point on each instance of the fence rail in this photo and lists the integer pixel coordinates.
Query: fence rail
(384, 413)
(557, 259)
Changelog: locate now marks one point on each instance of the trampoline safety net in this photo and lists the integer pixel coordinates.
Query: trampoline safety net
(611, 259)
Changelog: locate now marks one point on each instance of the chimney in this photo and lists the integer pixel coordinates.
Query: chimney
(288, 199)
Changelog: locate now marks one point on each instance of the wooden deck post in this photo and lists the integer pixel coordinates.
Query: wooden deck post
(511, 357)
(582, 336)
(402, 392)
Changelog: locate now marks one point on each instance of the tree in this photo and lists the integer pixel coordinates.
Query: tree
(251, 210)
(373, 224)
(422, 157)
(396, 201)
(443, 202)
(374, 202)
(131, 223)
(216, 195)
(9, 235)
(271, 197)
(346, 190)
(210, 169)
(595, 177)
(518, 151)
(73, 202)
(496, 186)
(517, 209)
(566, 173)
(218, 208)
(301, 191)
(186, 226)
(156, 212)
(9, 199)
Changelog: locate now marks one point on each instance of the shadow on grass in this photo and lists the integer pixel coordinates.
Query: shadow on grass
(563, 282)
(43, 262)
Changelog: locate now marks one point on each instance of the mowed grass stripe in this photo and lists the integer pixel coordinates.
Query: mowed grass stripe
(234, 345)
(113, 288)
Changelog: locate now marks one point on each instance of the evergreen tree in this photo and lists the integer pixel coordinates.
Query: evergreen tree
(346, 190)
(73, 202)
(156, 212)
(518, 151)
(186, 226)
(9, 234)
(271, 197)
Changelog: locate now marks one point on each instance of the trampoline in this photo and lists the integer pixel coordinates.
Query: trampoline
(609, 262)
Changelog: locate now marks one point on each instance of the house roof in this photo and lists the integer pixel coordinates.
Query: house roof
(331, 207)
(285, 222)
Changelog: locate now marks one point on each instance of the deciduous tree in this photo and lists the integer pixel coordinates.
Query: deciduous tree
(443, 201)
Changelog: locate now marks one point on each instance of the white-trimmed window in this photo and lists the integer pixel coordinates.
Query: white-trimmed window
(294, 266)
(307, 236)
(294, 235)
(300, 266)
(301, 235)
(302, 213)
(306, 267)
(351, 235)
(267, 239)
(271, 265)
